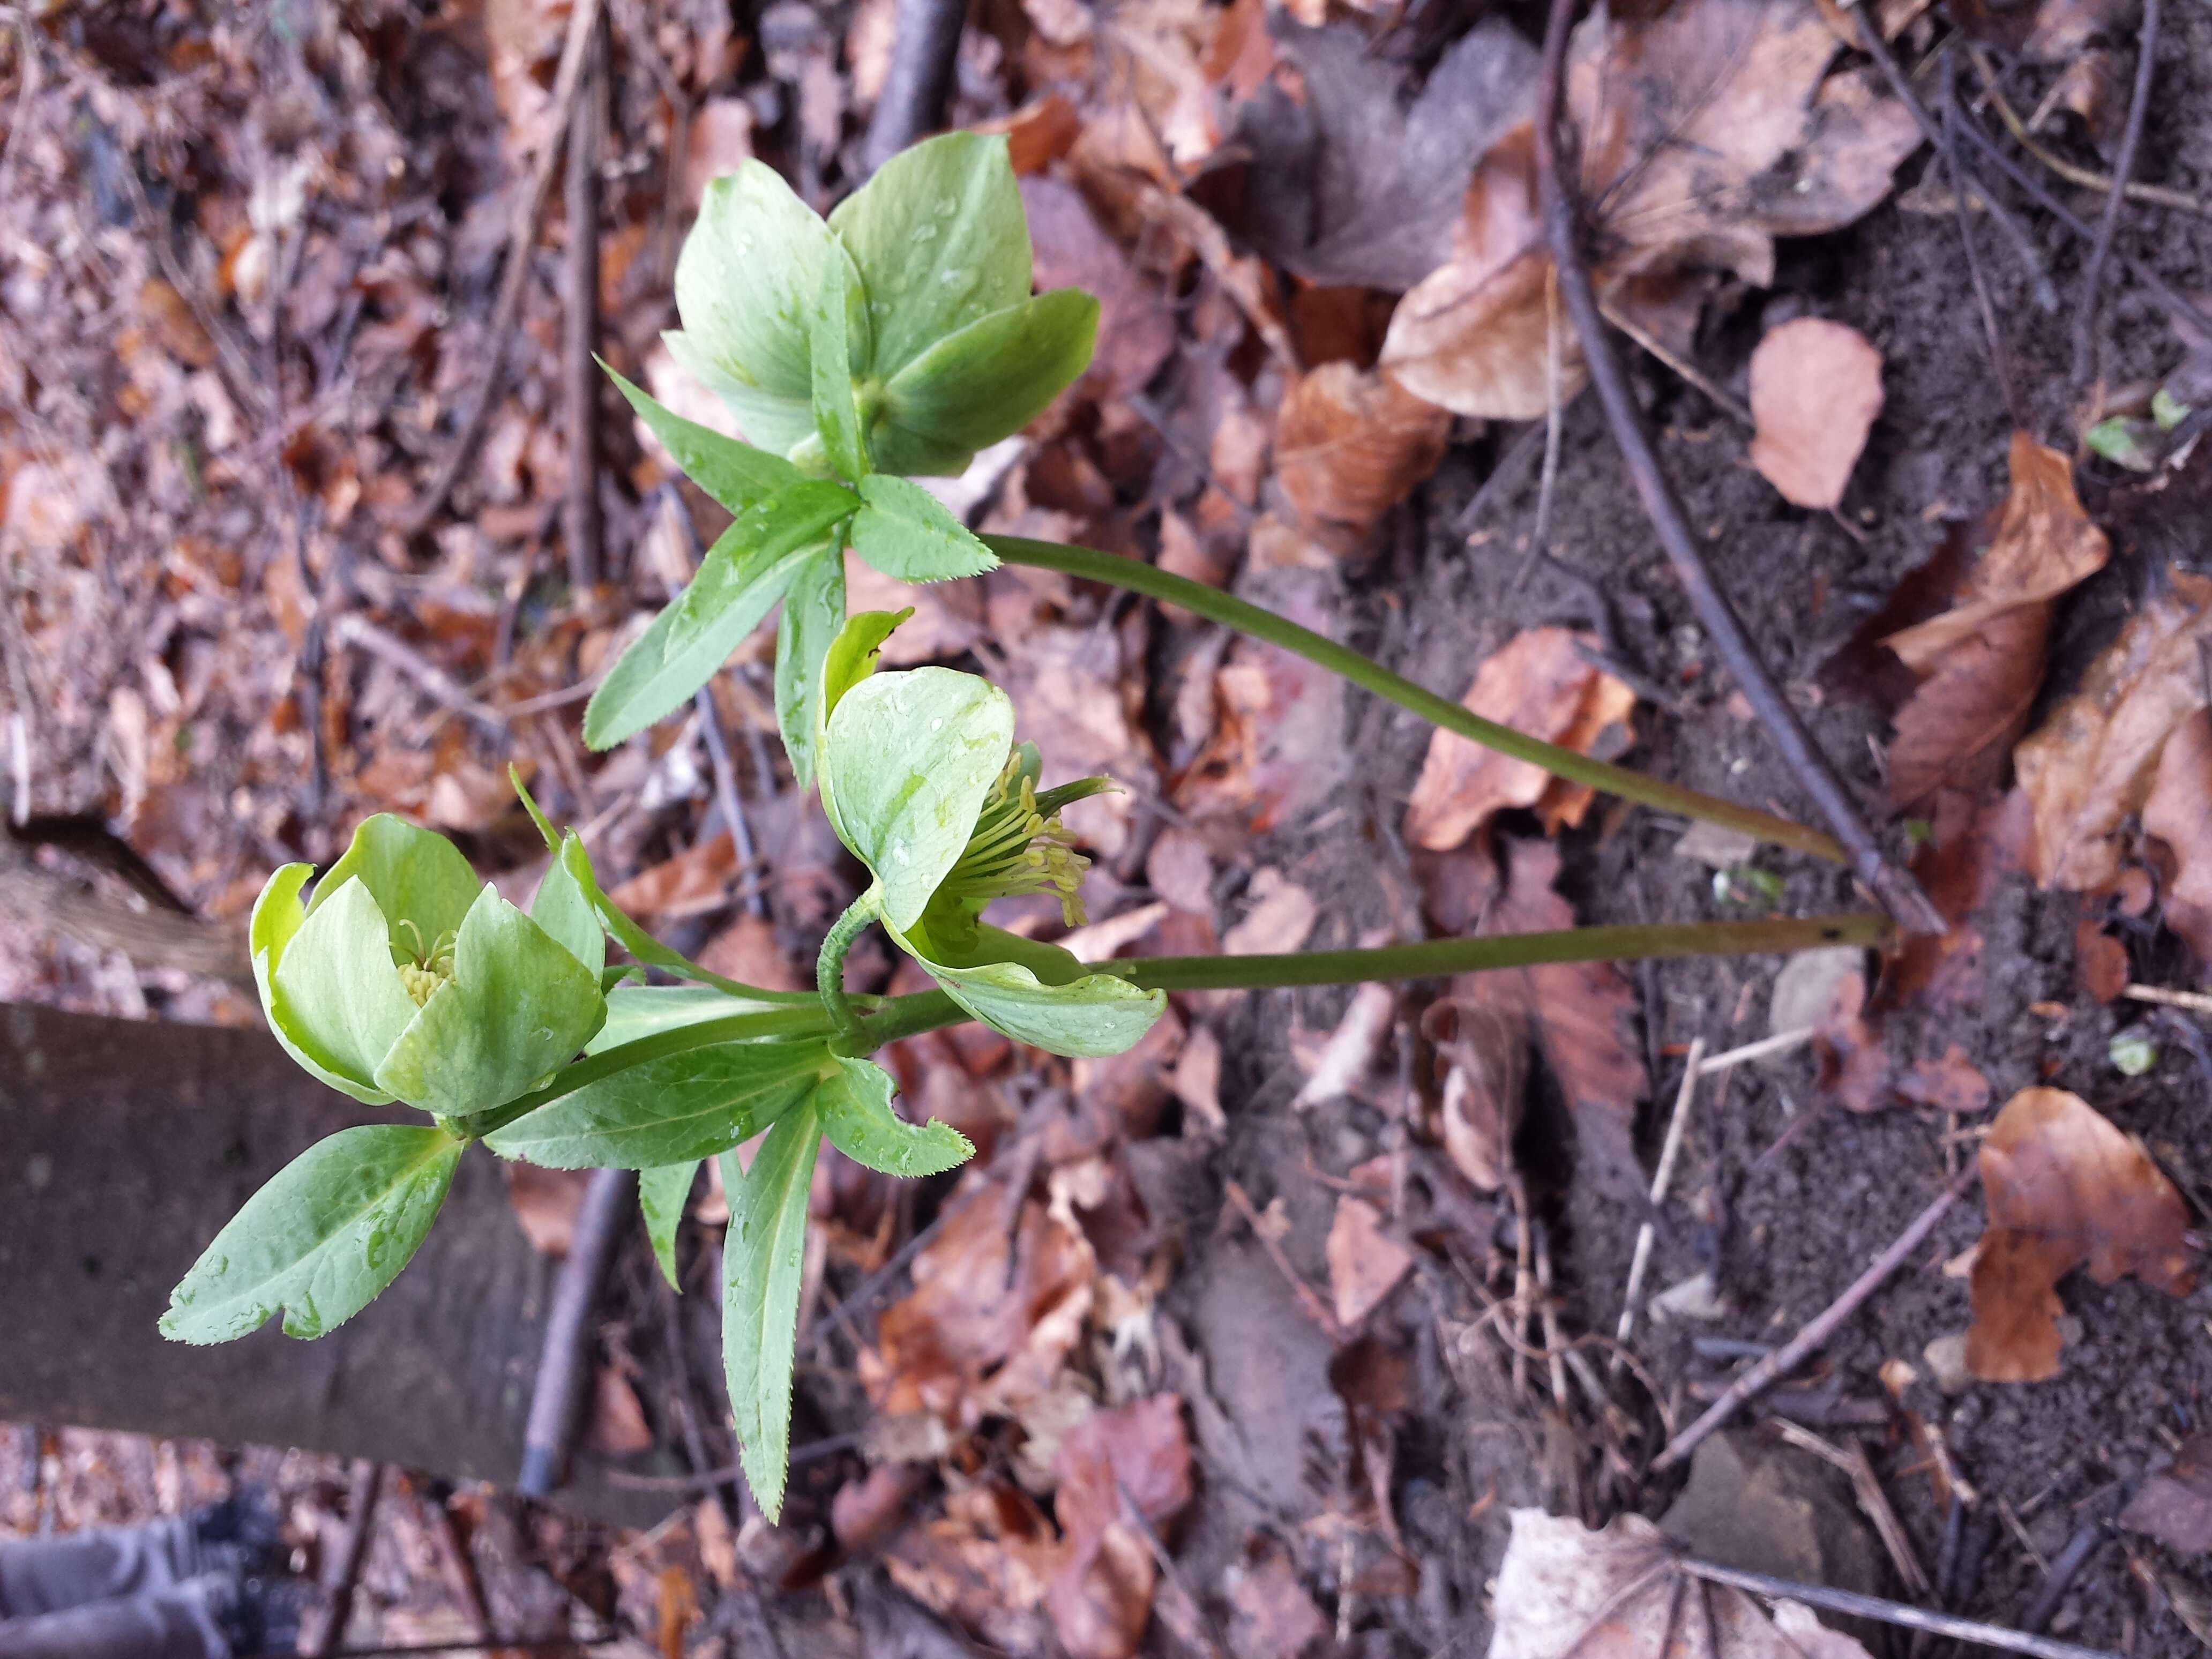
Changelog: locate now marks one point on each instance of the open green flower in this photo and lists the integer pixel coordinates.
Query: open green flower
(921, 779)
(403, 979)
(920, 280)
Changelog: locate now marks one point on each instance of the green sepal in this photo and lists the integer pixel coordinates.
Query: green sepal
(328, 1232)
(278, 916)
(335, 982)
(415, 875)
(763, 1255)
(662, 1195)
(564, 909)
(837, 415)
(905, 531)
(813, 611)
(855, 1105)
(985, 383)
(691, 1105)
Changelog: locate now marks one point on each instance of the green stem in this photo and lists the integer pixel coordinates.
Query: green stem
(678, 1040)
(830, 966)
(1362, 670)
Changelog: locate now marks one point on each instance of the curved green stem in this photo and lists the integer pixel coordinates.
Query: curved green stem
(1363, 671)
(830, 966)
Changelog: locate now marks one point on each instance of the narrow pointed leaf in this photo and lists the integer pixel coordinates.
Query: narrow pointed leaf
(856, 1115)
(685, 1106)
(662, 1195)
(836, 415)
(331, 1230)
(905, 531)
(738, 475)
(564, 909)
(762, 1254)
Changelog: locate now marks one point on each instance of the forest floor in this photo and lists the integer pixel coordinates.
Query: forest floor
(1326, 1284)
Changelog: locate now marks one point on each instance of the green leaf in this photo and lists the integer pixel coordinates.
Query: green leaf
(855, 1106)
(905, 531)
(518, 1007)
(737, 474)
(744, 574)
(661, 1195)
(683, 1106)
(985, 383)
(277, 917)
(335, 985)
(762, 1253)
(750, 271)
(813, 611)
(836, 415)
(773, 423)
(330, 1230)
(1095, 1016)
(940, 240)
(852, 655)
(635, 1012)
(909, 759)
(564, 909)
(415, 875)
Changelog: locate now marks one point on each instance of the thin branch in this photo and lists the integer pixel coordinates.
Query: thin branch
(356, 630)
(924, 47)
(2086, 178)
(320, 1641)
(2196, 1001)
(580, 317)
(1661, 1178)
(2108, 226)
(1808, 1341)
(1780, 1043)
(522, 237)
(1960, 179)
(1851, 1603)
(1891, 885)
(564, 1363)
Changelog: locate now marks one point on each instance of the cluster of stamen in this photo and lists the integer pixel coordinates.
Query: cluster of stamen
(1016, 849)
(430, 966)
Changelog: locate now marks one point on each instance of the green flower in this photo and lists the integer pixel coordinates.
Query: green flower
(403, 979)
(919, 282)
(921, 778)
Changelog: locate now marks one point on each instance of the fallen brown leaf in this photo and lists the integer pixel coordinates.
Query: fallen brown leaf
(1973, 846)
(1815, 390)
(1136, 327)
(984, 1565)
(1281, 916)
(545, 1204)
(2092, 765)
(1364, 1263)
(1483, 1054)
(2100, 961)
(1539, 683)
(1980, 663)
(2179, 814)
(746, 950)
(618, 1427)
(1134, 1456)
(1563, 1588)
(1949, 1083)
(1351, 444)
(2065, 1189)
(1854, 1065)
(2175, 1506)
(695, 879)
(1078, 706)
(1274, 1616)
(1277, 744)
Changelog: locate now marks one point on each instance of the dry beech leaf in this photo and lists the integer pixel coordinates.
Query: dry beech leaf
(1277, 744)
(1484, 1060)
(1815, 390)
(1974, 846)
(2179, 814)
(1350, 1053)
(2065, 1189)
(1949, 1083)
(2092, 765)
(546, 1203)
(1351, 444)
(746, 951)
(1563, 1588)
(1980, 663)
(1279, 916)
(1136, 326)
(618, 1428)
(695, 879)
(1039, 133)
(1136, 1455)
(1364, 1263)
(2100, 961)
(1539, 683)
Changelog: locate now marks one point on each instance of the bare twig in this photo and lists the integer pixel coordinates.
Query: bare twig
(522, 237)
(2087, 178)
(579, 307)
(2066, 1564)
(1999, 361)
(2108, 225)
(356, 630)
(1780, 1043)
(1854, 1466)
(925, 43)
(564, 1363)
(2196, 1002)
(865, 1293)
(320, 1641)
(1661, 1178)
(1853, 1604)
(1808, 1341)
(1894, 887)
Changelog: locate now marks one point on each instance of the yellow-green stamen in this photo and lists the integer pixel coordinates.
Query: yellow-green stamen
(1016, 849)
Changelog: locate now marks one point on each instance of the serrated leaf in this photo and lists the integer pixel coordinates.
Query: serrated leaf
(762, 1257)
(855, 1106)
(905, 531)
(329, 1232)
(908, 760)
(813, 612)
(940, 240)
(743, 576)
(737, 474)
(662, 1195)
(985, 383)
(837, 415)
(518, 1007)
(683, 1106)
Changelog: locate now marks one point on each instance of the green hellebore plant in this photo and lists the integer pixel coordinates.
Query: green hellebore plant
(922, 780)
(402, 980)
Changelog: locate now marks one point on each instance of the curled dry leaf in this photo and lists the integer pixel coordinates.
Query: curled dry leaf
(2065, 1189)
(1539, 683)
(1364, 1263)
(2094, 764)
(1815, 390)
(1351, 444)
(1563, 1588)
(2179, 814)
(1484, 1056)
(1980, 663)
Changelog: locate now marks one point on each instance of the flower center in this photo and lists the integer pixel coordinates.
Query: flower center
(428, 966)
(1015, 849)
